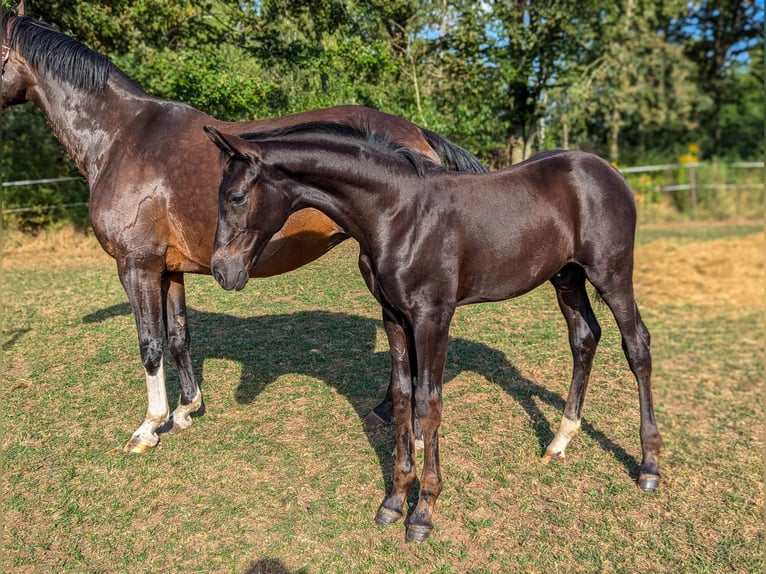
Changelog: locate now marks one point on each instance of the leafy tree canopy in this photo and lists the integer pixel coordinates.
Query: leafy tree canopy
(504, 78)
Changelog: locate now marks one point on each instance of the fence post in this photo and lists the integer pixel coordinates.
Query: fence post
(689, 160)
(693, 188)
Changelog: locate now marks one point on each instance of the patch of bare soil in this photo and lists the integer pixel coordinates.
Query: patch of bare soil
(723, 272)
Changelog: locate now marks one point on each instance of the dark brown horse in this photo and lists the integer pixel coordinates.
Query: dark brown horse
(430, 241)
(153, 177)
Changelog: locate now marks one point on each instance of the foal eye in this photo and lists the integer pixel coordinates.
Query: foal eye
(237, 199)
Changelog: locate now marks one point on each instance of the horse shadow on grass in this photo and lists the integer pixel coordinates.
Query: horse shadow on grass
(339, 349)
(271, 566)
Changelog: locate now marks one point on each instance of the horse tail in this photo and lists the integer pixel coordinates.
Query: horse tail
(454, 157)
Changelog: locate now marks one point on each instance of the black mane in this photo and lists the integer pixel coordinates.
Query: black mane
(55, 54)
(335, 131)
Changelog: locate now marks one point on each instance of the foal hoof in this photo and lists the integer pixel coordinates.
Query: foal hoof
(176, 424)
(417, 533)
(386, 516)
(648, 482)
(551, 456)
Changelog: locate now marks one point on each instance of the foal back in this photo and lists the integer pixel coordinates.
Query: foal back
(510, 231)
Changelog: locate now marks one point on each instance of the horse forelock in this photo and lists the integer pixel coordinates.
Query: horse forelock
(55, 54)
(327, 133)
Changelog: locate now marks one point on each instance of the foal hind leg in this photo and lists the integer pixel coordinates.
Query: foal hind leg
(635, 344)
(584, 334)
(177, 331)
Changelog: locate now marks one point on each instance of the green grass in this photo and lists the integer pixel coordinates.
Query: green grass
(702, 231)
(280, 475)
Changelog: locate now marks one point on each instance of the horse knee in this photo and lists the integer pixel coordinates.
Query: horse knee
(428, 408)
(178, 342)
(151, 355)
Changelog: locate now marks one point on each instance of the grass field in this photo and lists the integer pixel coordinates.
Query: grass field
(280, 475)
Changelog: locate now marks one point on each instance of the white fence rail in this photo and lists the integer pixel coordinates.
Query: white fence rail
(693, 187)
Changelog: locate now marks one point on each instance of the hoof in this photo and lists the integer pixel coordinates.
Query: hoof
(648, 482)
(139, 445)
(176, 424)
(551, 456)
(417, 533)
(386, 516)
(373, 420)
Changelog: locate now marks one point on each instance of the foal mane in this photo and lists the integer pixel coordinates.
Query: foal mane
(335, 132)
(55, 54)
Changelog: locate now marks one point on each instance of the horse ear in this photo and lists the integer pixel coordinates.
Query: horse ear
(21, 8)
(234, 147)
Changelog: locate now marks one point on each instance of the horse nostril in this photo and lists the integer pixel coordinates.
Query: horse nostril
(218, 275)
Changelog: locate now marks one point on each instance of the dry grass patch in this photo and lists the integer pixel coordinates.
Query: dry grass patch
(724, 273)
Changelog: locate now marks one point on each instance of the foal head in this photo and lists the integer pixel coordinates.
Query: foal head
(253, 204)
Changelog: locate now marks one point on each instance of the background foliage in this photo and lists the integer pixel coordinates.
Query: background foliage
(631, 80)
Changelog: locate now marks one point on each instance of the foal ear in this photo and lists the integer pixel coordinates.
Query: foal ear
(234, 147)
(21, 9)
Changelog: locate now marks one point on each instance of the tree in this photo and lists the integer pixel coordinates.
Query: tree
(500, 58)
(716, 34)
(632, 79)
(742, 114)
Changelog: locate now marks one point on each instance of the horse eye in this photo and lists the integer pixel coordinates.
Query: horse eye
(237, 199)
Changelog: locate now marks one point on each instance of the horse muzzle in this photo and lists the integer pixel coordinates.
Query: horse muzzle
(229, 274)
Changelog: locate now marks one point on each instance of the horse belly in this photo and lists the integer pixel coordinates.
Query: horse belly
(306, 235)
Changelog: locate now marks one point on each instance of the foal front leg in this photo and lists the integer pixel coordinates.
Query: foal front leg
(431, 335)
(400, 392)
(144, 290)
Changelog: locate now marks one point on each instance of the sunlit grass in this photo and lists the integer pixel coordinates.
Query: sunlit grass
(280, 474)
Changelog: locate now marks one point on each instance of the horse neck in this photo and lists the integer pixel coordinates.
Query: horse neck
(88, 123)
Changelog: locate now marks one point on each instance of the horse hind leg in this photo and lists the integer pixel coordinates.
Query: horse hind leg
(584, 334)
(177, 332)
(635, 344)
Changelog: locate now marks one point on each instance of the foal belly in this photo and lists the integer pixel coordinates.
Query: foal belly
(496, 277)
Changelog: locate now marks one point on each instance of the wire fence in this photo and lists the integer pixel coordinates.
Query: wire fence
(37, 208)
(692, 185)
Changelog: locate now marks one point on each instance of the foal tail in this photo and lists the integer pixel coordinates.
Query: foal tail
(454, 157)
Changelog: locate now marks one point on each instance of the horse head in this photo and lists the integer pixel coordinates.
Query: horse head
(253, 205)
(15, 70)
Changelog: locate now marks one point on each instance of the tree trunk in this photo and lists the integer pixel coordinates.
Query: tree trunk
(516, 149)
(614, 136)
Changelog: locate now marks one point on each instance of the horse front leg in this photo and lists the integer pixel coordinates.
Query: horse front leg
(584, 335)
(177, 330)
(144, 290)
(431, 336)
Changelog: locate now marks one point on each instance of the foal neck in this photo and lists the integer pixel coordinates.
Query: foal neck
(348, 181)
